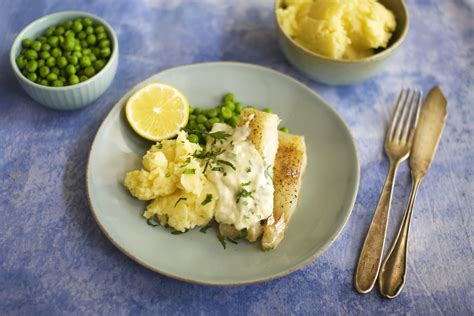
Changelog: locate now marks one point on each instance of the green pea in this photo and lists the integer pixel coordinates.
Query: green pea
(232, 121)
(201, 127)
(55, 70)
(63, 79)
(61, 61)
(96, 51)
(56, 52)
(69, 34)
(60, 39)
(193, 138)
(59, 31)
(267, 110)
(45, 55)
(284, 129)
(201, 118)
(78, 54)
(197, 111)
(105, 52)
(44, 82)
(21, 62)
(53, 41)
(36, 45)
(45, 47)
(83, 78)
(41, 63)
(31, 66)
(42, 39)
(192, 125)
(32, 76)
(89, 30)
(229, 97)
(104, 43)
(73, 79)
(226, 112)
(213, 121)
(31, 54)
(99, 29)
(212, 113)
(238, 107)
(87, 22)
(89, 71)
(70, 70)
(67, 24)
(85, 61)
(99, 64)
(86, 51)
(192, 117)
(230, 105)
(51, 61)
(77, 26)
(208, 125)
(73, 60)
(50, 31)
(57, 83)
(91, 39)
(84, 43)
(82, 35)
(101, 36)
(51, 77)
(26, 43)
(68, 44)
(43, 71)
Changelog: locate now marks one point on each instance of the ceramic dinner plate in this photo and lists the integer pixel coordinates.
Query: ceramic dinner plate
(328, 194)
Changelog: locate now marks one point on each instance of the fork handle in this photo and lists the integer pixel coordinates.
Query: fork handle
(394, 268)
(371, 254)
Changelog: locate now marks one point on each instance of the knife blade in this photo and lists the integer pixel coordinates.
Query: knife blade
(428, 131)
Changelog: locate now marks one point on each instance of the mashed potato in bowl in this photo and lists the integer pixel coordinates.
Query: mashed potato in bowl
(341, 29)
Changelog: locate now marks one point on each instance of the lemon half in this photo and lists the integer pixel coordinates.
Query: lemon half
(157, 111)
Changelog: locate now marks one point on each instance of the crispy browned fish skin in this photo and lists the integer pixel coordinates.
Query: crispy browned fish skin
(290, 165)
(262, 127)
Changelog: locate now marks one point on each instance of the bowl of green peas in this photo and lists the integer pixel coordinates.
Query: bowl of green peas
(65, 60)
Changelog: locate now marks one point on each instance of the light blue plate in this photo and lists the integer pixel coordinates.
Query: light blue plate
(329, 189)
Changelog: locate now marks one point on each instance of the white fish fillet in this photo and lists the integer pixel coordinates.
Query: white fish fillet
(288, 171)
(264, 135)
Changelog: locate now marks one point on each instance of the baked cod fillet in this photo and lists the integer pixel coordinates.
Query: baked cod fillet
(288, 171)
(264, 136)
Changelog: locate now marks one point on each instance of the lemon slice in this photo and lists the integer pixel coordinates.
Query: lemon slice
(157, 111)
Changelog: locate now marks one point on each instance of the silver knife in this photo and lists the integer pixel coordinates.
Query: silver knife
(427, 135)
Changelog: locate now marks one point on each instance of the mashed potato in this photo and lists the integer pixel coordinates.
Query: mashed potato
(343, 29)
(182, 196)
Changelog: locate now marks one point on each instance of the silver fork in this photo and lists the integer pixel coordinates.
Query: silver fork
(397, 147)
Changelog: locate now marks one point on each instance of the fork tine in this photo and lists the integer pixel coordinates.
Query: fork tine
(400, 121)
(395, 114)
(419, 101)
(408, 122)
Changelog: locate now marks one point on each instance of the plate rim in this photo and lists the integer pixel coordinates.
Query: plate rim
(298, 266)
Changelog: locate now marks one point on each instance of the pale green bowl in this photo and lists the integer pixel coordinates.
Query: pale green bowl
(68, 97)
(342, 72)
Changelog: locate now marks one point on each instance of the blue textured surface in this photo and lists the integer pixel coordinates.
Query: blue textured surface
(54, 259)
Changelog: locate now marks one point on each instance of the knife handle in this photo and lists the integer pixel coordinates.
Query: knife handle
(371, 254)
(393, 272)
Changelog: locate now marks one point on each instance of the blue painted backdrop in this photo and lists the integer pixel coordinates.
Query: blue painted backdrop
(54, 259)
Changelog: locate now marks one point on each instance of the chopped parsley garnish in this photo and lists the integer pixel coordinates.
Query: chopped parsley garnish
(232, 241)
(267, 172)
(186, 162)
(248, 169)
(159, 145)
(222, 240)
(219, 169)
(152, 221)
(208, 156)
(167, 175)
(243, 193)
(245, 184)
(227, 163)
(179, 200)
(207, 200)
(189, 171)
(205, 228)
(244, 233)
(177, 232)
